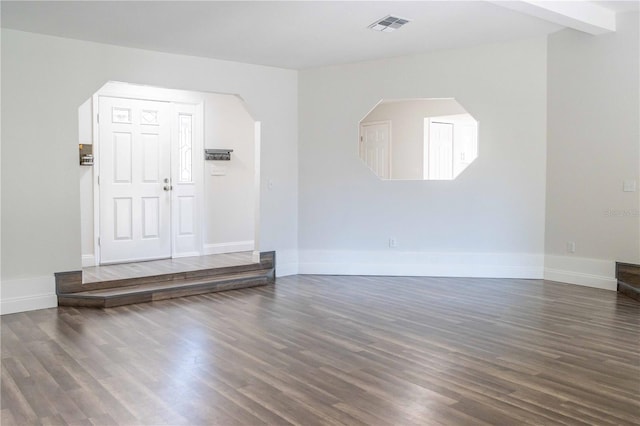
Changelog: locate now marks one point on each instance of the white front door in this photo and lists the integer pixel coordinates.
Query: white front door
(134, 180)
(375, 148)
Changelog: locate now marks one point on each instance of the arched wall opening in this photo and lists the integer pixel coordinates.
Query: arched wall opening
(223, 213)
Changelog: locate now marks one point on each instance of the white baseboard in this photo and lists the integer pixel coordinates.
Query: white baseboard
(581, 271)
(231, 247)
(283, 270)
(88, 260)
(286, 263)
(186, 254)
(399, 263)
(27, 294)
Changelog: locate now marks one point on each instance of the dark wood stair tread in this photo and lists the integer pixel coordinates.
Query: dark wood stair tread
(164, 285)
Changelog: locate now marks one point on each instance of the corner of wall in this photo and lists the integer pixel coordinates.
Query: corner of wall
(580, 271)
(286, 263)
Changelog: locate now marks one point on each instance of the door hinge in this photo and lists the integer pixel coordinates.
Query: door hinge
(98, 178)
(98, 118)
(98, 241)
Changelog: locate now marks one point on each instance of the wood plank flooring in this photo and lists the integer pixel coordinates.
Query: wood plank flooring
(333, 350)
(164, 266)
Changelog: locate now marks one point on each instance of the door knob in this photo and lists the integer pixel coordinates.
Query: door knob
(167, 187)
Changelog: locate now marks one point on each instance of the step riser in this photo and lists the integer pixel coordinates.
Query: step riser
(631, 291)
(628, 276)
(80, 303)
(189, 292)
(114, 301)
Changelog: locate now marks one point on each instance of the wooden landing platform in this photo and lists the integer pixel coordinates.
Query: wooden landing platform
(126, 284)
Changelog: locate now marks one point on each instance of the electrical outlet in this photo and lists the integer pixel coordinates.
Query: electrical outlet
(392, 242)
(571, 247)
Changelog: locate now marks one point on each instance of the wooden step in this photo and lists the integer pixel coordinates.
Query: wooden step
(628, 276)
(106, 294)
(149, 292)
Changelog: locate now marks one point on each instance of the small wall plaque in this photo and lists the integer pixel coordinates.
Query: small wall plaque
(217, 154)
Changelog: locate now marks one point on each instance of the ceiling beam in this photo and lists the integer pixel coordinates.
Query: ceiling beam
(580, 15)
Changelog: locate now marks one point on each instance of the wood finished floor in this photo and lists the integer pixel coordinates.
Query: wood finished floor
(328, 350)
(164, 266)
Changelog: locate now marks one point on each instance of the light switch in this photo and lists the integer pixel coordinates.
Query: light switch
(630, 186)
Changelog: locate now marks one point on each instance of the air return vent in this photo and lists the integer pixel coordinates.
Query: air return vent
(388, 23)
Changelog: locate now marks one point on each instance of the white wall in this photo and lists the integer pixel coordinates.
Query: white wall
(594, 145)
(44, 81)
(85, 173)
(229, 199)
(487, 222)
(407, 131)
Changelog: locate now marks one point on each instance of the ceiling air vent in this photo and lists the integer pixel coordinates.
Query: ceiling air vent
(388, 23)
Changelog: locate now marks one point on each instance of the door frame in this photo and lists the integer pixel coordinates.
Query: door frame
(427, 136)
(389, 154)
(128, 92)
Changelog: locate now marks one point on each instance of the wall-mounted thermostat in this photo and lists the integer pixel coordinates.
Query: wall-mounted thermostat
(217, 154)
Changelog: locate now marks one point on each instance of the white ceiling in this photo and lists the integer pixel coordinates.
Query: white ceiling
(296, 34)
(619, 6)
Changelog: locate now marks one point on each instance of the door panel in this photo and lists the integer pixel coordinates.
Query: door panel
(150, 217)
(123, 219)
(134, 160)
(150, 158)
(122, 157)
(185, 215)
(375, 148)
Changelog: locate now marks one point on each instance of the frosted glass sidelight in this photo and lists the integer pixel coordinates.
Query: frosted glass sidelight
(185, 147)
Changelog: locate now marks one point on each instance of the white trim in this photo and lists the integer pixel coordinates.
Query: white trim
(28, 294)
(186, 254)
(96, 177)
(88, 260)
(581, 271)
(257, 146)
(231, 247)
(487, 265)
